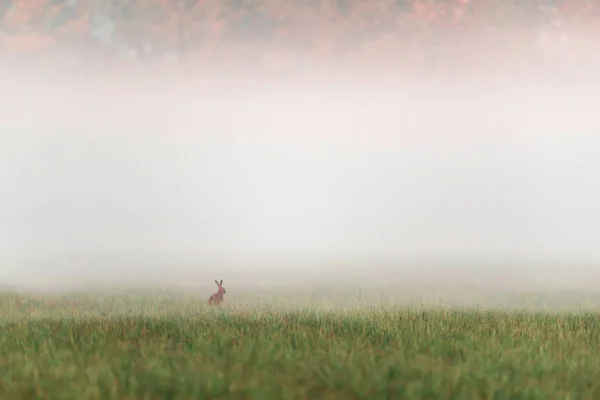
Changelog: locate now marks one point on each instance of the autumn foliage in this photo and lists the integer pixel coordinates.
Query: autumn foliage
(276, 34)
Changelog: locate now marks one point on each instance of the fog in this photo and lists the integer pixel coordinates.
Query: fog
(174, 183)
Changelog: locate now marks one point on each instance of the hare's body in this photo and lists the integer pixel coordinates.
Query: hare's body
(217, 298)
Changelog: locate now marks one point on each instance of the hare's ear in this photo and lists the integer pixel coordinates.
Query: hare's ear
(217, 282)
(221, 283)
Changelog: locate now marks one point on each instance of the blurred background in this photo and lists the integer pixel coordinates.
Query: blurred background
(178, 142)
(430, 38)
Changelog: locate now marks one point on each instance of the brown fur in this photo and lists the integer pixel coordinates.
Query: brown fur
(217, 298)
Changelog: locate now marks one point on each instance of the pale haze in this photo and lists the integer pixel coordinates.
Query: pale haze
(238, 179)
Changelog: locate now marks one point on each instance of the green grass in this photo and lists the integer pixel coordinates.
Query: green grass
(176, 348)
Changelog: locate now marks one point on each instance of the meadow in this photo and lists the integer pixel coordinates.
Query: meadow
(169, 346)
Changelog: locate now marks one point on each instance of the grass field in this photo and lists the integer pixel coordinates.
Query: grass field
(161, 347)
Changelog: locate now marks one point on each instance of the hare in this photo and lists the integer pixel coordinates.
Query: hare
(217, 298)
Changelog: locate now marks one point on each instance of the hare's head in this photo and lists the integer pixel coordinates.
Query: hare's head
(220, 286)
